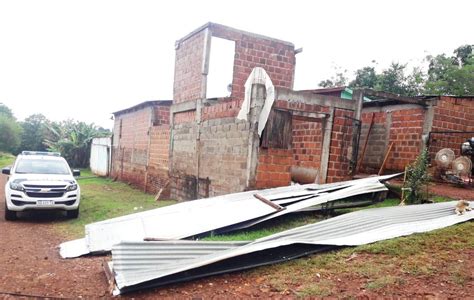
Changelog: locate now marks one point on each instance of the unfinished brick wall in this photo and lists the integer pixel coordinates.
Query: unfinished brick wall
(340, 147)
(222, 154)
(401, 125)
(307, 143)
(405, 133)
(184, 149)
(141, 147)
(306, 148)
(377, 140)
(188, 68)
(452, 114)
(224, 150)
(212, 152)
(157, 170)
(251, 50)
(273, 168)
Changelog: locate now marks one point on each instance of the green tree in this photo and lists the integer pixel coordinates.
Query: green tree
(6, 111)
(393, 79)
(34, 133)
(339, 79)
(463, 54)
(10, 130)
(451, 75)
(73, 140)
(365, 77)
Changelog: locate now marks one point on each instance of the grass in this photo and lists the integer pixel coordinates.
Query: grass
(102, 198)
(267, 228)
(6, 159)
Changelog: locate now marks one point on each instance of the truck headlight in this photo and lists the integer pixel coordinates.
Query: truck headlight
(16, 186)
(72, 187)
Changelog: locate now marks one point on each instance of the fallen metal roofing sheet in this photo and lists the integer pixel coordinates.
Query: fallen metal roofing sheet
(222, 213)
(138, 265)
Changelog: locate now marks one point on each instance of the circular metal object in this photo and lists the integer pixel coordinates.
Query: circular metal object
(444, 157)
(462, 165)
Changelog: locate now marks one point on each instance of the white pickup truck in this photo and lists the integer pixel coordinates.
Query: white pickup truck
(41, 181)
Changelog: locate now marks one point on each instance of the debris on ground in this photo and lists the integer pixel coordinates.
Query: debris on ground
(139, 265)
(222, 214)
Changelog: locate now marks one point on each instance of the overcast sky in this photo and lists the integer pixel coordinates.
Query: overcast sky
(86, 59)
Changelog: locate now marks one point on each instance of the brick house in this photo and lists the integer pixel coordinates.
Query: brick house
(197, 143)
(212, 152)
(140, 145)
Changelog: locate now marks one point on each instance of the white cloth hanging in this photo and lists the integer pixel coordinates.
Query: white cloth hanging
(258, 76)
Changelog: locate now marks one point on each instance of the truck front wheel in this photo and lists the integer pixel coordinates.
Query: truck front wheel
(72, 214)
(10, 215)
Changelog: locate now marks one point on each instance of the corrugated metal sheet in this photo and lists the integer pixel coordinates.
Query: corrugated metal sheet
(149, 264)
(221, 214)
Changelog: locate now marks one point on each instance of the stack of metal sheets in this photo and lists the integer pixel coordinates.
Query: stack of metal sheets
(221, 214)
(139, 265)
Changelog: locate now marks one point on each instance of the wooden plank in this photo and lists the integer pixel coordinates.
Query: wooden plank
(382, 167)
(268, 202)
(278, 131)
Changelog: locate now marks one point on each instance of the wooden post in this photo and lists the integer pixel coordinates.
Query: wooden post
(385, 159)
(403, 189)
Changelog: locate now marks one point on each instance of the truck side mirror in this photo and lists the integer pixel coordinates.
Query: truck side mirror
(6, 171)
(76, 173)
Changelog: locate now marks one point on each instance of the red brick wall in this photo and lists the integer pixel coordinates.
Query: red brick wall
(134, 129)
(227, 107)
(452, 114)
(185, 117)
(307, 143)
(405, 133)
(161, 115)
(140, 152)
(159, 146)
(340, 147)
(277, 58)
(402, 125)
(274, 164)
(188, 69)
(157, 170)
(273, 168)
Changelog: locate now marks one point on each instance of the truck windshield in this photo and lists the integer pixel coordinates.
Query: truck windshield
(42, 166)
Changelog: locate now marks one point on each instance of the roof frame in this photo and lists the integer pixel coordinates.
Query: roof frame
(383, 97)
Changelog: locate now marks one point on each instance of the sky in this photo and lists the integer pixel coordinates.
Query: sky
(86, 59)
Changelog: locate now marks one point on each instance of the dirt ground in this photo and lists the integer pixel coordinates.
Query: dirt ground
(30, 266)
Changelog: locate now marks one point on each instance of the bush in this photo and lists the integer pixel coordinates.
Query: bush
(416, 178)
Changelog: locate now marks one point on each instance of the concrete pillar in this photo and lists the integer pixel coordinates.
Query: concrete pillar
(199, 103)
(388, 126)
(256, 104)
(358, 98)
(427, 125)
(327, 130)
